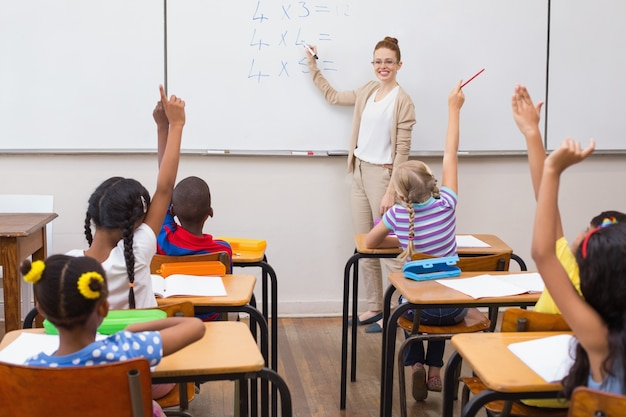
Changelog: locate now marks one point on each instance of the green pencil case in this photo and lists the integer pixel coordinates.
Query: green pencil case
(117, 320)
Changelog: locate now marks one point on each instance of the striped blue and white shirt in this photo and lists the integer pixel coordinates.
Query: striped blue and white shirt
(434, 224)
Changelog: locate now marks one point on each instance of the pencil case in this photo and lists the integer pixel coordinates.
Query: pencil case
(432, 268)
(117, 320)
(209, 268)
(245, 245)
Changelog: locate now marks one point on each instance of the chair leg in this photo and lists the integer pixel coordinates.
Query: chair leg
(465, 393)
(401, 376)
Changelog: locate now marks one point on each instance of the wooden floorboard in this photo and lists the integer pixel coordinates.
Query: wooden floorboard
(310, 362)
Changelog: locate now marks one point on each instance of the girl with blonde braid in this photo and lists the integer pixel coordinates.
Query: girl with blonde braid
(71, 292)
(424, 221)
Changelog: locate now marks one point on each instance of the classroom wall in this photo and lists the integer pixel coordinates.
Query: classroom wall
(300, 206)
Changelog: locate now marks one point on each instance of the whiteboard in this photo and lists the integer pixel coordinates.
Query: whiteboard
(587, 73)
(79, 75)
(241, 67)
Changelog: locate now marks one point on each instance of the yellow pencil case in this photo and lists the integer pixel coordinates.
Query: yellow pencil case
(209, 268)
(242, 244)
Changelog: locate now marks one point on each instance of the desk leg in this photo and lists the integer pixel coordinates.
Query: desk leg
(10, 282)
(449, 384)
(268, 273)
(389, 351)
(285, 396)
(344, 327)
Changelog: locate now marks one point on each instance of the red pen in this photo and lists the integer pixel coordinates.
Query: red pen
(475, 75)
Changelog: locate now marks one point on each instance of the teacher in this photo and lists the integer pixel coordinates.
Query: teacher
(384, 116)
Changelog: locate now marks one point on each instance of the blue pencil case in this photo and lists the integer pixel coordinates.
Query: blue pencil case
(432, 268)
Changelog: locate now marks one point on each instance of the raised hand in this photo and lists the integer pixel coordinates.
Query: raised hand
(174, 108)
(525, 113)
(569, 153)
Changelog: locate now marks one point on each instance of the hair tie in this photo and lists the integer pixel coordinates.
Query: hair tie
(84, 284)
(607, 221)
(35, 273)
(131, 284)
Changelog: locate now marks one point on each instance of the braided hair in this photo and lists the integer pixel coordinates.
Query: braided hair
(119, 204)
(414, 183)
(67, 288)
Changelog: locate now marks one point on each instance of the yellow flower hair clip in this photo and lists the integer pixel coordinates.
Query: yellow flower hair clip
(84, 284)
(35, 273)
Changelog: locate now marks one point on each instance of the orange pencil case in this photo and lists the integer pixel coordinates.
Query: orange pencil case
(245, 245)
(212, 268)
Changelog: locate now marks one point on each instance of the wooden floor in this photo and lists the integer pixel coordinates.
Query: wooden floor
(310, 362)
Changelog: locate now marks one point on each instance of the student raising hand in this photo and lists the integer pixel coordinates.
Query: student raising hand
(174, 108)
(525, 113)
(545, 234)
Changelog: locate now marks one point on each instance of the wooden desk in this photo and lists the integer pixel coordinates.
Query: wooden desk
(239, 297)
(21, 235)
(496, 245)
(226, 351)
(504, 374)
(428, 294)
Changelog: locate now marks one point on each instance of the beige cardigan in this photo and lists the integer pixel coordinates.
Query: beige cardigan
(403, 119)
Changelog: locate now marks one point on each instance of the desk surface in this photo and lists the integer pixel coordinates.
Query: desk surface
(239, 290)
(432, 292)
(226, 347)
(248, 256)
(498, 368)
(496, 245)
(23, 224)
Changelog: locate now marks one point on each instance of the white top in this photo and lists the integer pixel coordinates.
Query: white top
(144, 247)
(374, 143)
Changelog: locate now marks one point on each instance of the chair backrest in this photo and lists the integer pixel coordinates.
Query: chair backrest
(587, 402)
(178, 309)
(520, 320)
(121, 389)
(158, 260)
(493, 262)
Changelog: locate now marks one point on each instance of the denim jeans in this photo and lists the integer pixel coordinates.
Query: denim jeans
(431, 317)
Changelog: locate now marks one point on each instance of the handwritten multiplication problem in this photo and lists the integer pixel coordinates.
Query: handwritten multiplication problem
(280, 32)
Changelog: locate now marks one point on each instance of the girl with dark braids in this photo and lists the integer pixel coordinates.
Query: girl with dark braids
(424, 221)
(127, 221)
(71, 292)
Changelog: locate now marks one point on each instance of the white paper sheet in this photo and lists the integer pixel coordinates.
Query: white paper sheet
(494, 285)
(550, 357)
(469, 241)
(27, 345)
(188, 285)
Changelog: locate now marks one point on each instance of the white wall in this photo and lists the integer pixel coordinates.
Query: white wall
(300, 206)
